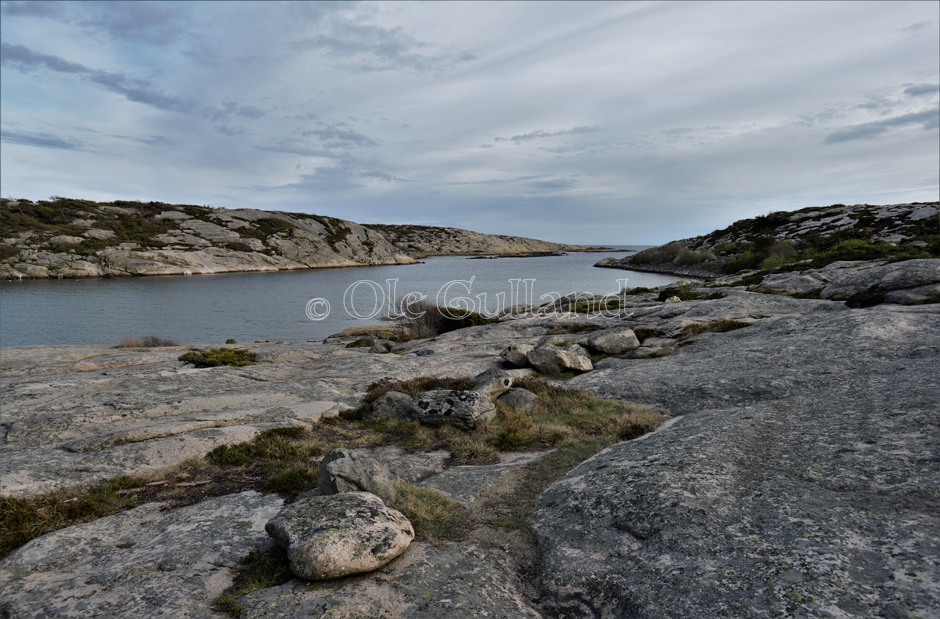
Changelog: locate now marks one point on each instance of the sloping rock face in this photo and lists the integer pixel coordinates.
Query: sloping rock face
(803, 482)
(455, 580)
(146, 562)
(66, 238)
(423, 241)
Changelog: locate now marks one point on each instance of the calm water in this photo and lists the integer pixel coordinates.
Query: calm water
(208, 309)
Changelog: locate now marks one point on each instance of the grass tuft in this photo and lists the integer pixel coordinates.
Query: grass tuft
(214, 357)
(149, 341)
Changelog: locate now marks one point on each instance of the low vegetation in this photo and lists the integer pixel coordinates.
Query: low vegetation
(214, 357)
(148, 341)
(284, 459)
(420, 319)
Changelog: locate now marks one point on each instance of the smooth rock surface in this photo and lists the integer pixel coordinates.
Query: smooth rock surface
(454, 581)
(338, 535)
(614, 341)
(145, 562)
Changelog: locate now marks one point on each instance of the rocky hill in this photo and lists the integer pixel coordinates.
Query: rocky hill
(420, 241)
(64, 237)
(792, 241)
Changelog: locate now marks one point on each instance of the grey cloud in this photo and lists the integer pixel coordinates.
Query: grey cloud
(334, 136)
(154, 140)
(920, 90)
(203, 54)
(151, 22)
(929, 119)
(42, 140)
(915, 27)
(376, 48)
(32, 9)
(554, 184)
(538, 135)
(139, 91)
(231, 108)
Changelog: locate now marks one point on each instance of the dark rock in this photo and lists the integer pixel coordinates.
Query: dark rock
(393, 404)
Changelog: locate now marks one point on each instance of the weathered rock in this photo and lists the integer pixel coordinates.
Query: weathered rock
(516, 354)
(614, 341)
(465, 484)
(394, 404)
(673, 299)
(346, 470)
(519, 398)
(881, 279)
(146, 562)
(555, 361)
(493, 386)
(799, 485)
(454, 580)
(332, 536)
(464, 409)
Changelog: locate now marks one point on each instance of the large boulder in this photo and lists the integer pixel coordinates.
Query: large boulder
(550, 360)
(616, 341)
(869, 284)
(464, 409)
(333, 536)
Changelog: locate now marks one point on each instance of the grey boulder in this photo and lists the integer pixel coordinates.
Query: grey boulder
(394, 404)
(464, 409)
(519, 398)
(614, 341)
(555, 361)
(334, 536)
(346, 470)
(516, 354)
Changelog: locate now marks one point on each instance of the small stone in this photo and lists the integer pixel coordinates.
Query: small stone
(345, 470)
(334, 536)
(519, 398)
(673, 299)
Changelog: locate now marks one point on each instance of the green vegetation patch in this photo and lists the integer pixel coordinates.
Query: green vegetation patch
(148, 341)
(259, 570)
(213, 357)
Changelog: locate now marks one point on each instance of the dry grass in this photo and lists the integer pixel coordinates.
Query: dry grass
(149, 341)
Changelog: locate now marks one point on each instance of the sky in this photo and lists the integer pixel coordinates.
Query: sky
(580, 122)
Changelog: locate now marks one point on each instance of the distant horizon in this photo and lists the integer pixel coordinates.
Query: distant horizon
(562, 121)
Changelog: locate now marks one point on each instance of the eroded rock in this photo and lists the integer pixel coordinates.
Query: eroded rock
(332, 536)
(464, 409)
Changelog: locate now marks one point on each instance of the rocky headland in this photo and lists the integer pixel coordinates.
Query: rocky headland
(68, 238)
(796, 473)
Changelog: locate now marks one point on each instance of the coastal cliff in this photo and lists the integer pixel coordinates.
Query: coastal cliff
(68, 238)
(796, 240)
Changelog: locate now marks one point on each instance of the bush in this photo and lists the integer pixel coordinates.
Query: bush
(149, 341)
(687, 257)
(425, 319)
(213, 357)
(8, 251)
(654, 255)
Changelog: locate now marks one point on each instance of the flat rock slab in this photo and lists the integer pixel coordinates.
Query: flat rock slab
(453, 581)
(145, 562)
(340, 534)
(465, 484)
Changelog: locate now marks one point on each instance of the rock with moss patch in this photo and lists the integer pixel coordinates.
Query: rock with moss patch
(333, 536)
(464, 409)
(394, 404)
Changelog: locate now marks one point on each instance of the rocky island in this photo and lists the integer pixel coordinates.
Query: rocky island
(763, 443)
(69, 238)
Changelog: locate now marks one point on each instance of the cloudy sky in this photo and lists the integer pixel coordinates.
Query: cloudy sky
(607, 122)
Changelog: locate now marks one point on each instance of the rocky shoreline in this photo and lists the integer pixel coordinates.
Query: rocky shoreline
(797, 474)
(67, 239)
